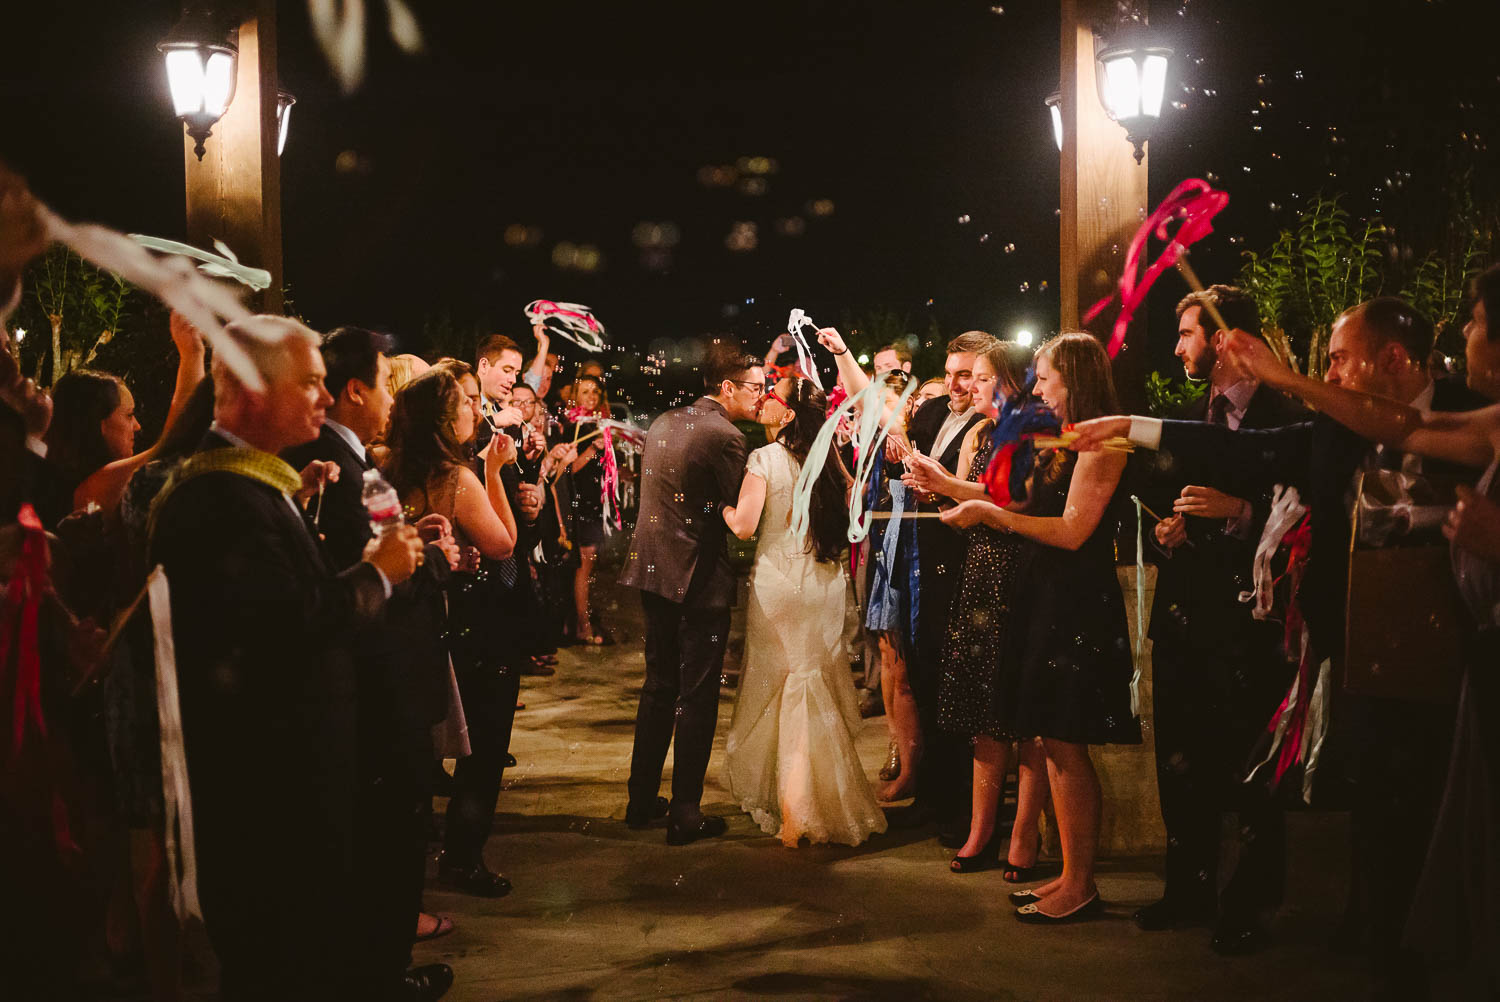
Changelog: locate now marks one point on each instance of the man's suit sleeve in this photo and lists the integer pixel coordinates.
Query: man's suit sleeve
(1240, 462)
(257, 584)
(729, 467)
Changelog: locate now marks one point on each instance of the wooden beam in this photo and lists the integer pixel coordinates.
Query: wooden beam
(1103, 200)
(234, 192)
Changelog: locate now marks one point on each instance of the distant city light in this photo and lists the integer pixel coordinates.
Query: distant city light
(864, 358)
(20, 334)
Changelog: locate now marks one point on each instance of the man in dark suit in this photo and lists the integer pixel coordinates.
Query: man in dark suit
(693, 464)
(264, 629)
(1393, 749)
(403, 669)
(1218, 674)
(937, 430)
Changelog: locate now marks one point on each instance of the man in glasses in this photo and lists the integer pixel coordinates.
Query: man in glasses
(692, 467)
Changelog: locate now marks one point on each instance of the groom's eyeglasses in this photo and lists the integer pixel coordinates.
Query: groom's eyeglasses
(759, 388)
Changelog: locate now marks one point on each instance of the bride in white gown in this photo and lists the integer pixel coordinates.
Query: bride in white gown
(790, 759)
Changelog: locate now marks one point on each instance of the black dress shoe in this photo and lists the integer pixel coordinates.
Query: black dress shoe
(430, 981)
(1169, 914)
(639, 817)
(1238, 936)
(707, 826)
(476, 879)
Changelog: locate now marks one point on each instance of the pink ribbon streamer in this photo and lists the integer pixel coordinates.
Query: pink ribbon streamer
(1193, 203)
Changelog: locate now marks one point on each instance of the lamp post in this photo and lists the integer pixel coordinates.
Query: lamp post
(221, 68)
(1132, 79)
(201, 52)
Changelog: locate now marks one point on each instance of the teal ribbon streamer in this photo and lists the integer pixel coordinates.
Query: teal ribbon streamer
(869, 438)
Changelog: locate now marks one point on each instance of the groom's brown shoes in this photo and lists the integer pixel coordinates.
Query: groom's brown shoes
(706, 826)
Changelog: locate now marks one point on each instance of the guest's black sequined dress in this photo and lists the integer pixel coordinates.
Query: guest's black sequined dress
(978, 623)
(1065, 673)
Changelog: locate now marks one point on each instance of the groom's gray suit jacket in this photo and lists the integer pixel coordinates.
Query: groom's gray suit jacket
(692, 468)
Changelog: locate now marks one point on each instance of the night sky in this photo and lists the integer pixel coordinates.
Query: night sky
(581, 121)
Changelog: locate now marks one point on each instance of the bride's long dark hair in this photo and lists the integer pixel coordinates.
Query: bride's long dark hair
(829, 515)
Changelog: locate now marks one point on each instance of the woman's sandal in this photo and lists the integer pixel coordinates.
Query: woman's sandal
(444, 927)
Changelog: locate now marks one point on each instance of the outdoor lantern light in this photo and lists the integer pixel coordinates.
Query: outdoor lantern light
(1132, 74)
(284, 102)
(1024, 337)
(201, 54)
(1054, 105)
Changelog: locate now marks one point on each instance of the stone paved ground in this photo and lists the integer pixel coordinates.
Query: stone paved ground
(602, 912)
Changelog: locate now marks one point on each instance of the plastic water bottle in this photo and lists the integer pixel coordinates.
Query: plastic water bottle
(382, 502)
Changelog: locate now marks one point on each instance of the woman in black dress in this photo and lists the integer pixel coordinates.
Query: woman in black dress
(1066, 669)
(587, 475)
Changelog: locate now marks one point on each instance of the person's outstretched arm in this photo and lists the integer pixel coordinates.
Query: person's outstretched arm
(1094, 483)
(1469, 438)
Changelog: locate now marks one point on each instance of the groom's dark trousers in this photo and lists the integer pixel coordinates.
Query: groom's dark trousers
(691, 468)
(684, 659)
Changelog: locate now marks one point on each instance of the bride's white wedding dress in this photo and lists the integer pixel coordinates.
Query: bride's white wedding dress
(790, 759)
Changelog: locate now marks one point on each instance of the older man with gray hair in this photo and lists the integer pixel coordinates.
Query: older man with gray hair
(262, 629)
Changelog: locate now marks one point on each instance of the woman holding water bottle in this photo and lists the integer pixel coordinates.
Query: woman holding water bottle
(430, 426)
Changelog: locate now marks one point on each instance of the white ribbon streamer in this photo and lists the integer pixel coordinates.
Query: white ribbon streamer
(573, 321)
(1287, 510)
(206, 304)
(177, 797)
(222, 265)
(794, 324)
(868, 439)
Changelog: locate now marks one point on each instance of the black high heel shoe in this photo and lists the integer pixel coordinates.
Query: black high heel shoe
(984, 859)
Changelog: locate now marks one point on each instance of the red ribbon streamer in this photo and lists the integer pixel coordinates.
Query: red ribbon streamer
(1194, 203)
(18, 630)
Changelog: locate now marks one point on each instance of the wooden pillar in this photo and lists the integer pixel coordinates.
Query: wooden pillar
(234, 192)
(1103, 195)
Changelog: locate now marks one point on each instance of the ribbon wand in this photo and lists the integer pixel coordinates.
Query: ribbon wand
(1191, 277)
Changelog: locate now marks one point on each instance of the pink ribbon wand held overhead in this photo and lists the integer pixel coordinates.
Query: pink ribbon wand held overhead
(1193, 205)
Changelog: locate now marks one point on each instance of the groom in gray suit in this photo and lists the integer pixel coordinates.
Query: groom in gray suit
(692, 468)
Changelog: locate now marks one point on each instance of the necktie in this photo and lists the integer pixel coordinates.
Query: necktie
(1218, 410)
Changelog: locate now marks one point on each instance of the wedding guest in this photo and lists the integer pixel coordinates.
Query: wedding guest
(929, 390)
(1218, 673)
(891, 602)
(978, 628)
(1065, 673)
(538, 372)
(92, 437)
(1390, 746)
(586, 526)
(937, 430)
(264, 629)
(430, 424)
(896, 355)
(589, 368)
(1452, 918)
(402, 686)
